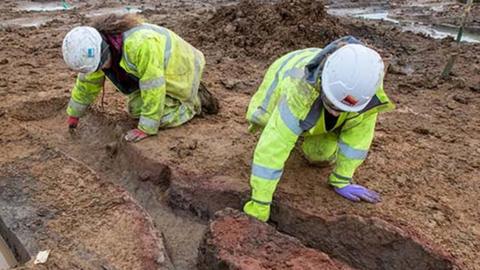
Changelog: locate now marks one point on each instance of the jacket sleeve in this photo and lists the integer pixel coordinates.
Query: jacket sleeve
(84, 92)
(273, 149)
(353, 146)
(151, 70)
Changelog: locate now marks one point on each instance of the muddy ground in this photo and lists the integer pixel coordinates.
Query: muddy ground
(153, 199)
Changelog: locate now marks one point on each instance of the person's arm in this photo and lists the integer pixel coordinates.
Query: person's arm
(151, 70)
(273, 149)
(84, 92)
(354, 143)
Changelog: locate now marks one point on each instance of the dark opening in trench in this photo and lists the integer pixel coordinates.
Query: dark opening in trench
(364, 243)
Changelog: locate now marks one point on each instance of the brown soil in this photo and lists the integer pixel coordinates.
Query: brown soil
(255, 29)
(52, 201)
(423, 161)
(234, 241)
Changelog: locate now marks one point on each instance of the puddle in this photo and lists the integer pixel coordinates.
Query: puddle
(440, 32)
(364, 13)
(7, 260)
(376, 13)
(118, 11)
(382, 15)
(25, 22)
(45, 7)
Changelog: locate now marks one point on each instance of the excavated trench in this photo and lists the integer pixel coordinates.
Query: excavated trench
(361, 242)
(98, 146)
(12, 252)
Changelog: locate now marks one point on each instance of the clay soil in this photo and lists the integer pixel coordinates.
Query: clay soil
(106, 204)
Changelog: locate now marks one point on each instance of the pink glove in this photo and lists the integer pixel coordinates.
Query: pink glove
(72, 121)
(135, 135)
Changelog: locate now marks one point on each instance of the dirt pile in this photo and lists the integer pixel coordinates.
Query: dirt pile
(264, 29)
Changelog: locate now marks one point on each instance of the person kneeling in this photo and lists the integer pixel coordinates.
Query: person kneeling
(331, 97)
(157, 70)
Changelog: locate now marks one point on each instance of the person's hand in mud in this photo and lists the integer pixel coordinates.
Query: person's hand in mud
(357, 193)
(135, 135)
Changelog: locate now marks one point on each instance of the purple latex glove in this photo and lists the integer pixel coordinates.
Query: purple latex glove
(357, 193)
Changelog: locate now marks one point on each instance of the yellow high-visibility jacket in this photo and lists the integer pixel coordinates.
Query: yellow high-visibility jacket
(164, 64)
(287, 106)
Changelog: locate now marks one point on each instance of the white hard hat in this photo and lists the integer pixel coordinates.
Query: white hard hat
(351, 76)
(82, 49)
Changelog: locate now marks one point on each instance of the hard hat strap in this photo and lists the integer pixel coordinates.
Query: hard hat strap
(105, 54)
(329, 104)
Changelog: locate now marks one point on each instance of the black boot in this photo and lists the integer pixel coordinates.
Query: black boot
(208, 101)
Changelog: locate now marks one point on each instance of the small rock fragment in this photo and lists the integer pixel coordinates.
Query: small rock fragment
(42, 257)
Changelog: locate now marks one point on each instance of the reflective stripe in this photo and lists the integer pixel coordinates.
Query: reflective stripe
(301, 59)
(196, 75)
(151, 84)
(80, 87)
(81, 78)
(292, 122)
(296, 73)
(183, 116)
(78, 107)
(167, 119)
(313, 115)
(158, 29)
(272, 86)
(258, 113)
(261, 202)
(352, 153)
(266, 173)
(149, 123)
(255, 116)
(341, 177)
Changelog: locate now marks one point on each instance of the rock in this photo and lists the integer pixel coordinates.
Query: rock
(475, 88)
(4, 61)
(451, 106)
(230, 84)
(406, 70)
(229, 29)
(145, 176)
(422, 130)
(401, 179)
(112, 149)
(461, 99)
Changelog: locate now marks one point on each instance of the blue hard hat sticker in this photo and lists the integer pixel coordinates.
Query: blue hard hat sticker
(90, 52)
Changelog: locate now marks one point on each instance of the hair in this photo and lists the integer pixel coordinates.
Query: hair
(116, 24)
